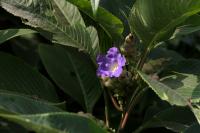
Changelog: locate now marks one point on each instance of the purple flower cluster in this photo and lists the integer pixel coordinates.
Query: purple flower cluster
(110, 65)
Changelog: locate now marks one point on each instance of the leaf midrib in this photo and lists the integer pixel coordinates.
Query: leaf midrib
(80, 82)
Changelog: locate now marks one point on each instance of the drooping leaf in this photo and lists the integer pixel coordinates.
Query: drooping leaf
(24, 105)
(11, 33)
(59, 17)
(62, 122)
(155, 20)
(73, 72)
(163, 91)
(18, 77)
(171, 118)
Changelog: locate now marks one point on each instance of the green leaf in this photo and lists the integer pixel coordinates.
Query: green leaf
(11, 33)
(18, 77)
(181, 97)
(78, 37)
(184, 78)
(56, 123)
(94, 39)
(187, 85)
(13, 103)
(164, 92)
(73, 72)
(121, 9)
(95, 5)
(108, 22)
(69, 11)
(154, 21)
(195, 128)
(59, 17)
(171, 118)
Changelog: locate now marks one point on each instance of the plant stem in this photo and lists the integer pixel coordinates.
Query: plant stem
(143, 58)
(115, 104)
(106, 108)
(133, 102)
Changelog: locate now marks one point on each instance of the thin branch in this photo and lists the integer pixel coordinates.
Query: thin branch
(129, 109)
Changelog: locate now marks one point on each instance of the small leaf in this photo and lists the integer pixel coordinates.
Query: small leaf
(73, 72)
(11, 33)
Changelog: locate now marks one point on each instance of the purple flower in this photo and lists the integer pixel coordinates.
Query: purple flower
(110, 65)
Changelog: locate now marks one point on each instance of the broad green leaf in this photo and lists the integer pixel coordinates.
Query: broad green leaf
(18, 77)
(111, 24)
(95, 5)
(187, 85)
(171, 118)
(73, 72)
(56, 123)
(195, 128)
(24, 105)
(11, 33)
(174, 97)
(184, 79)
(163, 91)
(154, 21)
(56, 16)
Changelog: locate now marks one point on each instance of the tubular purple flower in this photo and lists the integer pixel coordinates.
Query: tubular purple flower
(111, 64)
